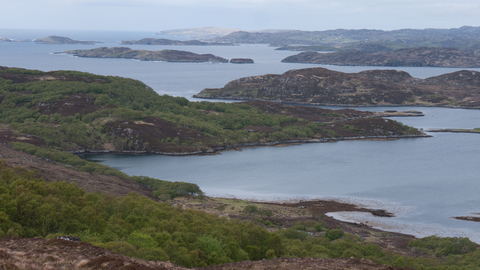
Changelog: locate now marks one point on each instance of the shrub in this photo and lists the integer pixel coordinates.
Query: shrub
(334, 234)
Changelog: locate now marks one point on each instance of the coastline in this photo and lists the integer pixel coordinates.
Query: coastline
(247, 145)
(454, 130)
(339, 105)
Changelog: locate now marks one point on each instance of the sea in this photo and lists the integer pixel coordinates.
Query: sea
(423, 181)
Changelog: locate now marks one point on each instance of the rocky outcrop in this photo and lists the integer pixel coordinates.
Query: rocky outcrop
(62, 40)
(321, 86)
(241, 61)
(164, 55)
(414, 57)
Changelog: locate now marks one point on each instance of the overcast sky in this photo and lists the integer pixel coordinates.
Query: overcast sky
(157, 15)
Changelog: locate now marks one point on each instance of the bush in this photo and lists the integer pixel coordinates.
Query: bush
(250, 209)
(334, 234)
(443, 246)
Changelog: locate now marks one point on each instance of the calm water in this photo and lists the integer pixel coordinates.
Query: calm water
(425, 181)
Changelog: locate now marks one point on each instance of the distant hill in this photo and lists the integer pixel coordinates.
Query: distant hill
(455, 37)
(413, 57)
(201, 32)
(62, 40)
(321, 86)
(163, 41)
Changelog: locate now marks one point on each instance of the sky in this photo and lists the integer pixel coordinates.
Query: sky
(158, 15)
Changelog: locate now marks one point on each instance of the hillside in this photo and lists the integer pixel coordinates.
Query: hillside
(414, 57)
(163, 55)
(321, 86)
(46, 116)
(62, 40)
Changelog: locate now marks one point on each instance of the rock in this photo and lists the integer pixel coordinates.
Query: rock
(69, 238)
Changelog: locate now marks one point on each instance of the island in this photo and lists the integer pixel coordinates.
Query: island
(163, 41)
(412, 57)
(144, 55)
(241, 61)
(4, 39)
(62, 40)
(320, 86)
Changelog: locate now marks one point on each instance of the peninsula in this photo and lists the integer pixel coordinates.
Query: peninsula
(412, 57)
(62, 40)
(122, 115)
(144, 55)
(320, 86)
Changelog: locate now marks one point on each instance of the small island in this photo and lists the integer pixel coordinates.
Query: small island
(455, 130)
(144, 55)
(164, 41)
(412, 57)
(320, 86)
(241, 61)
(62, 40)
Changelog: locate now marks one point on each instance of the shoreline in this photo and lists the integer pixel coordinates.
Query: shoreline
(340, 105)
(454, 130)
(248, 145)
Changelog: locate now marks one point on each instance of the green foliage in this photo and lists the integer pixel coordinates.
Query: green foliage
(172, 189)
(250, 209)
(443, 246)
(67, 158)
(133, 225)
(334, 234)
(24, 71)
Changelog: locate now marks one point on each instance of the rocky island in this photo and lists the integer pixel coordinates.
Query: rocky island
(62, 40)
(412, 57)
(163, 41)
(144, 55)
(321, 86)
(241, 61)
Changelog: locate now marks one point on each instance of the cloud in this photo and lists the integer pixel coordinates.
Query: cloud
(243, 14)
